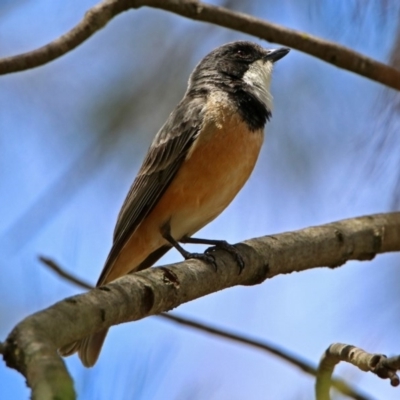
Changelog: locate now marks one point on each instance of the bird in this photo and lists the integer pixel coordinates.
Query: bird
(197, 163)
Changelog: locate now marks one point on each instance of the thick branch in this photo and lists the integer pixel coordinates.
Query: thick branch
(97, 17)
(305, 366)
(31, 346)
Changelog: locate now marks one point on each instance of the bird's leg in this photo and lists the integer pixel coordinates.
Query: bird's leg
(218, 244)
(208, 258)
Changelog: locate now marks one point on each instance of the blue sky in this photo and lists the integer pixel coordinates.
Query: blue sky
(73, 134)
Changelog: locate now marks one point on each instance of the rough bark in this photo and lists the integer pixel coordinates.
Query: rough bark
(31, 346)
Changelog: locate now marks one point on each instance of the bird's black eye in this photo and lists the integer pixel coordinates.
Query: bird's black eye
(243, 53)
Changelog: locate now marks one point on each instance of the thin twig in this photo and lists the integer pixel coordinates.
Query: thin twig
(98, 16)
(367, 362)
(340, 385)
(393, 363)
(305, 366)
(64, 274)
(95, 19)
(330, 52)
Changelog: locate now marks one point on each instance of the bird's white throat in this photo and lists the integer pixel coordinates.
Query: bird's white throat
(258, 77)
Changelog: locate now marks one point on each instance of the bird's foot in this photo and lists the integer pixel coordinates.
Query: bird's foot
(208, 258)
(218, 244)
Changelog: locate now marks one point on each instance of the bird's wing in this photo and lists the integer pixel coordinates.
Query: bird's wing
(165, 156)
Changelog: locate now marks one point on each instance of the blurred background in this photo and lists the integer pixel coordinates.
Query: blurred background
(73, 134)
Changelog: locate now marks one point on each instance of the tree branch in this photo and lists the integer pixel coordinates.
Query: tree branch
(305, 366)
(332, 53)
(65, 275)
(98, 16)
(95, 19)
(31, 346)
(379, 364)
(339, 384)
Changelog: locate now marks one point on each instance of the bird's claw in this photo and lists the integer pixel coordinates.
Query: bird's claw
(208, 258)
(232, 250)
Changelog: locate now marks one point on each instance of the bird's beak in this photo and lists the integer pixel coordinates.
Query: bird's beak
(277, 54)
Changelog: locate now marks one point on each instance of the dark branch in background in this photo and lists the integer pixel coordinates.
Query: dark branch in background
(391, 134)
(378, 145)
(379, 364)
(305, 366)
(64, 274)
(31, 346)
(98, 16)
(92, 158)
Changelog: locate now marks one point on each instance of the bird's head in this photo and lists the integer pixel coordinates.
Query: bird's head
(239, 65)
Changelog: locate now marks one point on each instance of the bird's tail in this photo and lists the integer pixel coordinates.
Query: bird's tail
(88, 348)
